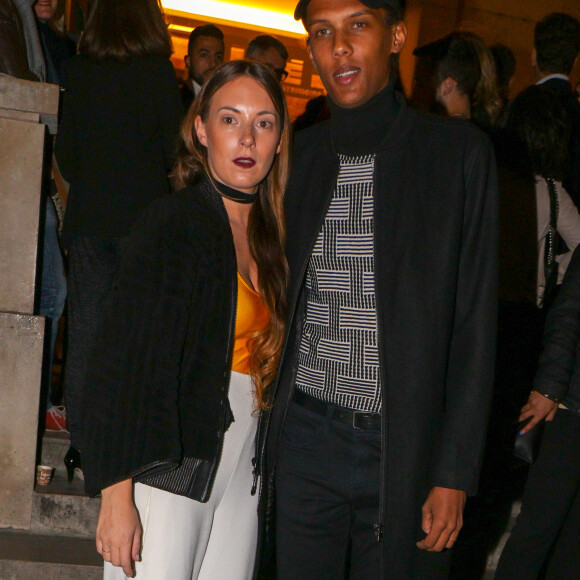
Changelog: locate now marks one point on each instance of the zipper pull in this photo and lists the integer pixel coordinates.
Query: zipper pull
(378, 532)
(255, 474)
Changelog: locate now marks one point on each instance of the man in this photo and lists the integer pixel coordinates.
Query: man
(14, 59)
(378, 418)
(271, 52)
(205, 52)
(456, 71)
(556, 48)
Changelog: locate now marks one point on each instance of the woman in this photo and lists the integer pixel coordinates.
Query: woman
(198, 306)
(548, 525)
(116, 145)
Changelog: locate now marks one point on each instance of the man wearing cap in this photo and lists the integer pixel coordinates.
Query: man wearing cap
(378, 418)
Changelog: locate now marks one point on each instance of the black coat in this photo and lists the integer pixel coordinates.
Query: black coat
(435, 264)
(559, 367)
(116, 141)
(161, 370)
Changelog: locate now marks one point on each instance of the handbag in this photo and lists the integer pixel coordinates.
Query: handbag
(527, 446)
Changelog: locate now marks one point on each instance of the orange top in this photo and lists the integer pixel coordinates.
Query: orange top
(251, 316)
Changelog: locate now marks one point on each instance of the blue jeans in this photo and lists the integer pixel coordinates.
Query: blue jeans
(53, 287)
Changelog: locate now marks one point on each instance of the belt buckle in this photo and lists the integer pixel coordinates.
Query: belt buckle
(356, 414)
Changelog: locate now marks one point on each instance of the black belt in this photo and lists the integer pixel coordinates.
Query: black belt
(356, 419)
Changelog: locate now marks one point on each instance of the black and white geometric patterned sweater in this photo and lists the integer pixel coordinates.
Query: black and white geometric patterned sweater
(338, 359)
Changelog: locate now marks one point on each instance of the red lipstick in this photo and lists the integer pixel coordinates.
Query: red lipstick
(245, 162)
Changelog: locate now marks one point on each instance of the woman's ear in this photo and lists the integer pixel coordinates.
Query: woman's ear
(200, 131)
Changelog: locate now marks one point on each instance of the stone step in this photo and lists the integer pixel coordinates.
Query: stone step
(63, 508)
(28, 556)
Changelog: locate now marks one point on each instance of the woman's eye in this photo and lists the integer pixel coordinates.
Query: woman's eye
(264, 124)
(228, 120)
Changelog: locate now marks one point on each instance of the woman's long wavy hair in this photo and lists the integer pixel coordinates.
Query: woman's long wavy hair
(125, 29)
(266, 226)
(533, 135)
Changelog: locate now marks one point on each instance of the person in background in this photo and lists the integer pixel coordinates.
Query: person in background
(192, 344)
(205, 52)
(13, 56)
(269, 51)
(57, 46)
(464, 77)
(531, 149)
(316, 111)
(379, 416)
(456, 72)
(544, 541)
(505, 66)
(556, 48)
(57, 49)
(116, 144)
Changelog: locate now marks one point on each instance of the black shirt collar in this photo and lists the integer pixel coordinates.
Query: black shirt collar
(361, 130)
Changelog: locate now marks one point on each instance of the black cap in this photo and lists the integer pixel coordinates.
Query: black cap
(300, 11)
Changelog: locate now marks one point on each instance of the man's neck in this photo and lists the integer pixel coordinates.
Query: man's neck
(458, 106)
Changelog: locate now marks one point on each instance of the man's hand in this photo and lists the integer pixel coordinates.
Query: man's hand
(119, 528)
(442, 518)
(538, 407)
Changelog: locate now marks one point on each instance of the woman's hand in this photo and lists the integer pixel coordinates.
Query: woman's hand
(538, 407)
(119, 528)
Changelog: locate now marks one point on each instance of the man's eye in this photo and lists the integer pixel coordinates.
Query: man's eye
(322, 32)
(359, 25)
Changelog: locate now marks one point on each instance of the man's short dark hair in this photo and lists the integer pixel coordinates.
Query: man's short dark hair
(262, 43)
(557, 43)
(453, 56)
(205, 30)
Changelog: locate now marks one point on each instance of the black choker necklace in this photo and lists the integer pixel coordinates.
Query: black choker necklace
(233, 194)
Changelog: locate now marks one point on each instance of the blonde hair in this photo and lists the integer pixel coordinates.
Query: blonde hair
(486, 101)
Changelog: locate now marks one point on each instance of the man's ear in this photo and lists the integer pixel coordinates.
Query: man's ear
(186, 60)
(310, 54)
(448, 86)
(398, 37)
(534, 58)
(200, 131)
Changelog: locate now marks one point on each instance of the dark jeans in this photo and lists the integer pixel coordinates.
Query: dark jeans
(327, 499)
(53, 289)
(550, 509)
(93, 264)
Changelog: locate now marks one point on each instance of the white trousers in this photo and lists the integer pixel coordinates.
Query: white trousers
(187, 540)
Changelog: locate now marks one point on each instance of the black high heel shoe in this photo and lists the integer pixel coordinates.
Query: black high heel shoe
(72, 460)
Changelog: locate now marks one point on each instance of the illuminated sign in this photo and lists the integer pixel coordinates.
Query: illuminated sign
(229, 12)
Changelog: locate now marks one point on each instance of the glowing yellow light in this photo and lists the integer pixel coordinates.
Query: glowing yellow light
(229, 12)
(179, 28)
